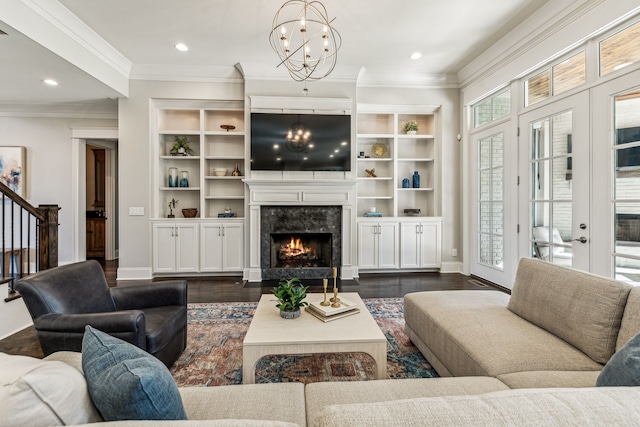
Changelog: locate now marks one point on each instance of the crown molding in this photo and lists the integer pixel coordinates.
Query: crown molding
(105, 109)
(408, 80)
(184, 73)
(53, 26)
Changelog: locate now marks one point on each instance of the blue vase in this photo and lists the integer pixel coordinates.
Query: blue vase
(173, 177)
(405, 183)
(416, 180)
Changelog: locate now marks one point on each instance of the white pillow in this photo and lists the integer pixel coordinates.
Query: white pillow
(36, 392)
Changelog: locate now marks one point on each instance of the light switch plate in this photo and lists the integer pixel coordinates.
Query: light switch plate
(136, 211)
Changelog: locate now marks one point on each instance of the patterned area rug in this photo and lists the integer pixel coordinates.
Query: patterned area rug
(214, 350)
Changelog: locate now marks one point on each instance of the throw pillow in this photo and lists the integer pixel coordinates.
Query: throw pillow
(623, 369)
(126, 382)
(35, 392)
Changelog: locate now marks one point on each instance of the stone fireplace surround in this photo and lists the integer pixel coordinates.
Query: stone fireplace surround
(299, 220)
(339, 194)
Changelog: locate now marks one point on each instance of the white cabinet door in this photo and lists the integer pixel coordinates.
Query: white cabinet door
(211, 247)
(388, 245)
(430, 248)
(377, 245)
(367, 245)
(164, 248)
(233, 247)
(420, 244)
(410, 245)
(187, 250)
(222, 247)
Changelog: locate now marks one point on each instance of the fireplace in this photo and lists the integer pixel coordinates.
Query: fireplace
(300, 241)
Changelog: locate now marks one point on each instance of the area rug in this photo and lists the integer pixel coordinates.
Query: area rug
(214, 350)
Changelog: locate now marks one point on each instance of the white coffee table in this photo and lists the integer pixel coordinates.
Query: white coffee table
(271, 334)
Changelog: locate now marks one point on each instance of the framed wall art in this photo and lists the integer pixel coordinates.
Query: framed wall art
(13, 162)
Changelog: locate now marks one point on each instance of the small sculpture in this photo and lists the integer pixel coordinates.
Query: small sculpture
(371, 173)
(172, 206)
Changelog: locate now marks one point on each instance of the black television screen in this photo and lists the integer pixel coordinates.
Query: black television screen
(300, 142)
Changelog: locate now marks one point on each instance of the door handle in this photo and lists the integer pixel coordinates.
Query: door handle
(580, 239)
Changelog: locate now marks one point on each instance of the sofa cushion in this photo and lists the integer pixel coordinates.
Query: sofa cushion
(549, 379)
(36, 393)
(459, 327)
(321, 394)
(583, 309)
(127, 383)
(595, 406)
(623, 369)
(630, 325)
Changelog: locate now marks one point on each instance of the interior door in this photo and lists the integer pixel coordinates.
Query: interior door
(554, 208)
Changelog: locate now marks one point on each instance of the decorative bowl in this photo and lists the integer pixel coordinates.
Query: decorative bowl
(220, 171)
(190, 212)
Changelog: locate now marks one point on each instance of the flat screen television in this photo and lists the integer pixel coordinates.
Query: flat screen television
(300, 142)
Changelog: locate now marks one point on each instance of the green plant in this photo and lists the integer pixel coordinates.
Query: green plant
(411, 125)
(182, 142)
(290, 294)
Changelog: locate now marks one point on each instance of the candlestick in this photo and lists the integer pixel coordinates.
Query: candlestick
(335, 299)
(324, 286)
(335, 272)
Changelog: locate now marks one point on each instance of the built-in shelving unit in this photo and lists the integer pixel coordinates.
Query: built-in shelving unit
(216, 134)
(397, 240)
(394, 155)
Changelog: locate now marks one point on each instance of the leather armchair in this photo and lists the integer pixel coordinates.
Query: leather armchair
(63, 300)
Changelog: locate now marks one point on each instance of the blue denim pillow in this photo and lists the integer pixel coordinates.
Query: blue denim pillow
(127, 383)
(623, 369)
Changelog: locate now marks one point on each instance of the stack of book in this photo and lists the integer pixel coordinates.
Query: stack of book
(328, 313)
(373, 214)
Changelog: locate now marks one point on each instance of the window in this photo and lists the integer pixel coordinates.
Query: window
(560, 78)
(492, 109)
(620, 49)
(490, 201)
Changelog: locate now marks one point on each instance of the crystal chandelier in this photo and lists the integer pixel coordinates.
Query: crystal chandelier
(304, 39)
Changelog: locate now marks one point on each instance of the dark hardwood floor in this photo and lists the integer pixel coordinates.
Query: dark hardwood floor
(233, 289)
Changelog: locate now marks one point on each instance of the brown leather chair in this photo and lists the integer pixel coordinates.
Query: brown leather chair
(63, 300)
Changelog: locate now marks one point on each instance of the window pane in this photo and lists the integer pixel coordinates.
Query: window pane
(537, 88)
(501, 105)
(485, 249)
(626, 204)
(540, 180)
(498, 250)
(620, 49)
(496, 150)
(497, 218)
(561, 185)
(485, 153)
(570, 73)
(485, 217)
(485, 185)
(482, 113)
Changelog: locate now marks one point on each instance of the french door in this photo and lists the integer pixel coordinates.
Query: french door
(616, 178)
(494, 220)
(554, 191)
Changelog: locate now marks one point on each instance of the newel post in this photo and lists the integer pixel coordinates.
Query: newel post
(48, 236)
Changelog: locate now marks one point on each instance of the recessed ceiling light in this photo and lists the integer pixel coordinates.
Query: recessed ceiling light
(50, 82)
(181, 47)
(416, 55)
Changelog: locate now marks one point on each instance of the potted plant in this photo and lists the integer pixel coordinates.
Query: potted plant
(291, 294)
(181, 146)
(411, 127)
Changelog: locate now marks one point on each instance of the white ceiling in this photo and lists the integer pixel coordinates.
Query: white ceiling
(378, 35)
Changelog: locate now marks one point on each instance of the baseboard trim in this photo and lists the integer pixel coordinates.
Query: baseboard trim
(134, 274)
(451, 267)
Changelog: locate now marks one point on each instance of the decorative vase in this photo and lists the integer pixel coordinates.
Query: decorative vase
(236, 171)
(184, 179)
(405, 183)
(173, 177)
(416, 180)
(290, 314)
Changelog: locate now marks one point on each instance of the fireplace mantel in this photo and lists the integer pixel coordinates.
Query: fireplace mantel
(266, 192)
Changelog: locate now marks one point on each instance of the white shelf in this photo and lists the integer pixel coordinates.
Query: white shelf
(405, 136)
(224, 157)
(375, 197)
(224, 197)
(428, 159)
(179, 188)
(375, 159)
(223, 133)
(179, 132)
(223, 177)
(180, 158)
(378, 178)
(416, 189)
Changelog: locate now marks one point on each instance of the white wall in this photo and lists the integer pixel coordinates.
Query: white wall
(49, 181)
(135, 162)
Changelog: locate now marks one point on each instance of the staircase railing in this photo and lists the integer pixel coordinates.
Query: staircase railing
(29, 238)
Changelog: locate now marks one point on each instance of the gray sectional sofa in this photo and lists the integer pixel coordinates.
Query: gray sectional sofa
(529, 359)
